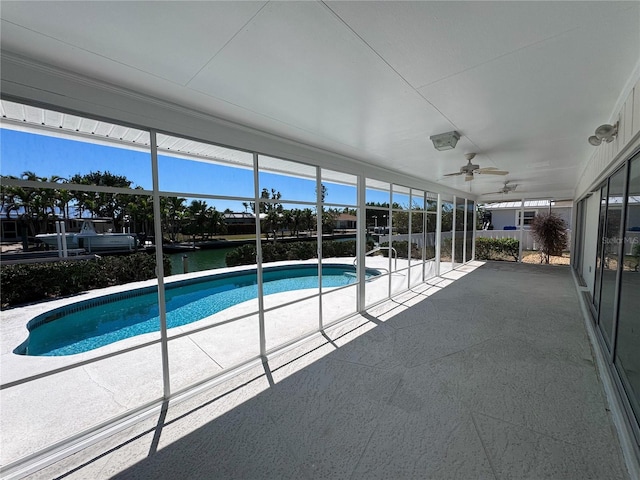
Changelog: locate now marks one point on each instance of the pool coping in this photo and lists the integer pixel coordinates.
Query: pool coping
(14, 331)
(78, 306)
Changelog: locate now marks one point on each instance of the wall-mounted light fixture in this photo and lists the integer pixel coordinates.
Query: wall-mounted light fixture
(445, 141)
(604, 133)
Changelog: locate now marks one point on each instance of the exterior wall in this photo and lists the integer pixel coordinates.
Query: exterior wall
(345, 222)
(604, 160)
(503, 217)
(565, 214)
(590, 242)
(241, 229)
(608, 156)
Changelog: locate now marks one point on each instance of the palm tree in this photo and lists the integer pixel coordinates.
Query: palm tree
(14, 199)
(273, 211)
(63, 201)
(59, 198)
(286, 221)
(307, 220)
(173, 215)
(296, 221)
(38, 203)
(103, 204)
(198, 214)
(216, 219)
(140, 211)
(329, 218)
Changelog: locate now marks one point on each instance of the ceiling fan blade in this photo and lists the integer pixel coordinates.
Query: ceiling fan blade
(452, 174)
(492, 172)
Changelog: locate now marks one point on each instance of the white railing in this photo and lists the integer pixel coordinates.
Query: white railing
(419, 239)
(392, 252)
(527, 240)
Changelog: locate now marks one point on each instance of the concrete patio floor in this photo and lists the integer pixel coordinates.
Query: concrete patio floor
(490, 377)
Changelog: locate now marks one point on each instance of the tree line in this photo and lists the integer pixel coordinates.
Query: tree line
(37, 208)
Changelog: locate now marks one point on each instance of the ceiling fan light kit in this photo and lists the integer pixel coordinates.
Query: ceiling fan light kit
(604, 133)
(445, 141)
(507, 188)
(470, 169)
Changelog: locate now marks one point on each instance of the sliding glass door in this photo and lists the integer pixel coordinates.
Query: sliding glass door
(627, 353)
(611, 244)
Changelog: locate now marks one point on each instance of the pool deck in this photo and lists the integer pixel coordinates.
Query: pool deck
(483, 372)
(13, 331)
(106, 384)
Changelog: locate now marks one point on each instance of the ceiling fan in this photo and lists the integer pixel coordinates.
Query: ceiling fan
(505, 189)
(470, 169)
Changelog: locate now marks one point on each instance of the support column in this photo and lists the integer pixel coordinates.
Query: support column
(361, 243)
(58, 239)
(464, 236)
(473, 231)
(162, 307)
(438, 239)
(319, 209)
(454, 232)
(256, 193)
(63, 231)
(521, 231)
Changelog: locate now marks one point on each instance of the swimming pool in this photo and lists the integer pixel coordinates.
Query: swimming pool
(89, 324)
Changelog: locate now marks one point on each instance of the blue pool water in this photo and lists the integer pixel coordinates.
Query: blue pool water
(94, 323)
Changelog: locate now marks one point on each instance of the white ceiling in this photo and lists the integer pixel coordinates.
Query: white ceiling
(525, 83)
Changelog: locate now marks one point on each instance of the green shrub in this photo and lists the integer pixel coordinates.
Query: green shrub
(278, 251)
(242, 255)
(635, 253)
(272, 252)
(38, 281)
(497, 248)
(402, 249)
(445, 250)
(550, 231)
(342, 249)
(484, 248)
(301, 251)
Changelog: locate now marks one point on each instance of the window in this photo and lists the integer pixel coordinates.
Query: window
(528, 217)
(9, 230)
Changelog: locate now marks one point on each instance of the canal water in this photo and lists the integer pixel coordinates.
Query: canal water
(199, 260)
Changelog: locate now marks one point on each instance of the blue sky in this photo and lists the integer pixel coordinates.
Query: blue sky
(47, 156)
